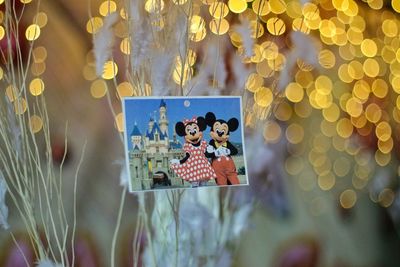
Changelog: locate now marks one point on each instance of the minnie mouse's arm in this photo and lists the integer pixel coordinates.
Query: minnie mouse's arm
(187, 156)
(184, 159)
(212, 154)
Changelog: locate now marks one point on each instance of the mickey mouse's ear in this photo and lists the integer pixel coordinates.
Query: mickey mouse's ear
(233, 124)
(201, 122)
(210, 119)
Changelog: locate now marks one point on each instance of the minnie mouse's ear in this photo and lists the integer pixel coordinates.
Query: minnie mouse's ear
(201, 122)
(210, 119)
(180, 128)
(233, 124)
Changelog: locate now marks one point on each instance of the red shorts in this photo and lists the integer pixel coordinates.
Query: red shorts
(225, 170)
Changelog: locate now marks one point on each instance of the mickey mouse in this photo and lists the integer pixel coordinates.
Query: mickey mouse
(194, 167)
(220, 149)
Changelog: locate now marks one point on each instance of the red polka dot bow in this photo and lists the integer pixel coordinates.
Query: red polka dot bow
(187, 121)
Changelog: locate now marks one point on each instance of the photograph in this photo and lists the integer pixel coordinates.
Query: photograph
(184, 142)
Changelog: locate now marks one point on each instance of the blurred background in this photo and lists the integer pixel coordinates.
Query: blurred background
(321, 85)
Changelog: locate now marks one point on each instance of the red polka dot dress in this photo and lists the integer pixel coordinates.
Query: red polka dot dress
(196, 168)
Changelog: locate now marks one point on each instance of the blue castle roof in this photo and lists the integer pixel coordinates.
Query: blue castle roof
(156, 128)
(176, 145)
(136, 131)
(162, 103)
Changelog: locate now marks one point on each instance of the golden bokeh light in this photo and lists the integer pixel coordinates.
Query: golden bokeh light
(125, 89)
(125, 46)
(32, 32)
(40, 19)
(294, 165)
(237, 6)
(344, 128)
(373, 113)
(218, 10)
(182, 74)
(276, 26)
(219, 26)
(110, 70)
(348, 198)
(154, 6)
(2, 32)
(277, 6)
(368, 48)
(261, 7)
(272, 132)
(119, 122)
(380, 88)
(107, 7)
(263, 96)
(35, 123)
(294, 92)
(327, 59)
(20, 106)
(12, 93)
(39, 54)
(254, 82)
(386, 196)
(94, 24)
(36, 87)
(326, 181)
(294, 133)
(98, 88)
(396, 5)
(197, 24)
(331, 113)
(383, 131)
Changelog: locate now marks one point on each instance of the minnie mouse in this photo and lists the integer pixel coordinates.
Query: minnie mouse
(220, 149)
(194, 167)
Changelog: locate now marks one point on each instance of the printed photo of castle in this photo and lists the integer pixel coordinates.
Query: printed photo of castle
(151, 141)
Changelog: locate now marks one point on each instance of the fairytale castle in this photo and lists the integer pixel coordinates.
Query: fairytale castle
(152, 151)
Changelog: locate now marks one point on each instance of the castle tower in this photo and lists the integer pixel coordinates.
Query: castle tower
(174, 137)
(151, 124)
(163, 121)
(136, 138)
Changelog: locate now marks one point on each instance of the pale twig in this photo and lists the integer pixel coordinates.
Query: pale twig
(74, 206)
(118, 224)
(148, 231)
(137, 240)
(19, 249)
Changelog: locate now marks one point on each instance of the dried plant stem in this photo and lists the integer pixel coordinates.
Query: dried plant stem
(31, 180)
(137, 240)
(74, 207)
(174, 199)
(143, 214)
(118, 224)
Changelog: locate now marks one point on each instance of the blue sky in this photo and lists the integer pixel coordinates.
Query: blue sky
(139, 110)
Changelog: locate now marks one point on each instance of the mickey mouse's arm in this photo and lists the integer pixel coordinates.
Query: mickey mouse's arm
(232, 148)
(211, 155)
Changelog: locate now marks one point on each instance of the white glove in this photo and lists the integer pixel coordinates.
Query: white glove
(174, 161)
(222, 151)
(227, 151)
(210, 149)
